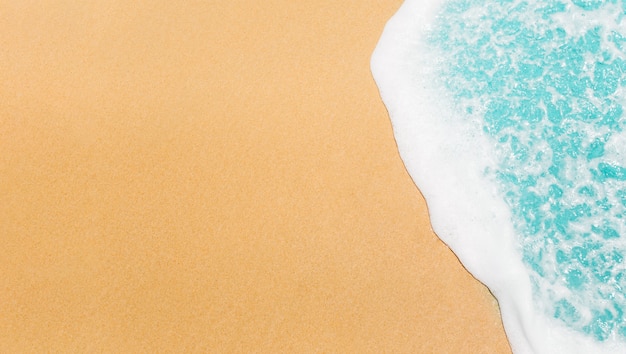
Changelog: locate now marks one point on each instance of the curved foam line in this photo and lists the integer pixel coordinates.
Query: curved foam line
(465, 211)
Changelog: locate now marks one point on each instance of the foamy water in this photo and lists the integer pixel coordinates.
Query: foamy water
(509, 117)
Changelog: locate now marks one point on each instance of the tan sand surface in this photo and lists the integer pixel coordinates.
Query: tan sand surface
(214, 176)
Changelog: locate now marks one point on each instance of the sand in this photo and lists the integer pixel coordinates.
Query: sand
(214, 177)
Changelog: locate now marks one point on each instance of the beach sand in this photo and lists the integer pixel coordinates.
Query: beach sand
(214, 177)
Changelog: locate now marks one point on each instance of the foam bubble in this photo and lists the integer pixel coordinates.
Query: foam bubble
(509, 117)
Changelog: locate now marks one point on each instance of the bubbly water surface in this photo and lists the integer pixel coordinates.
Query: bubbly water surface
(549, 91)
(541, 87)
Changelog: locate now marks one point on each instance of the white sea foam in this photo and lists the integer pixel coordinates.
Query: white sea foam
(447, 158)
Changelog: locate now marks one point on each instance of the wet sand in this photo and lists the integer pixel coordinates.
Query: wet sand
(214, 177)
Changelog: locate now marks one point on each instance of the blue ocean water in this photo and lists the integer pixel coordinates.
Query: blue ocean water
(546, 81)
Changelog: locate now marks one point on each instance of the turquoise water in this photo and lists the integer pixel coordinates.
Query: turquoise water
(546, 82)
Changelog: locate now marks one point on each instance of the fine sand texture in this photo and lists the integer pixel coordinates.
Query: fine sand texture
(214, 176)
